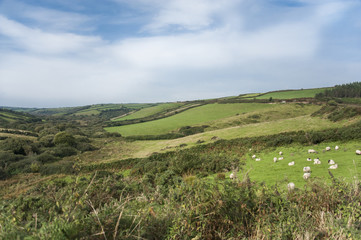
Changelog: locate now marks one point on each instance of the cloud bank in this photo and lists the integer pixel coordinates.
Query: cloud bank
(158, 50)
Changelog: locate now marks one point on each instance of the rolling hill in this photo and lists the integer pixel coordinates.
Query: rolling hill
(162, 170)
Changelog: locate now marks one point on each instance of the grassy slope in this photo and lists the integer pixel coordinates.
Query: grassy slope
(305, 93)
(349, 164)
(13, 116)
(145, 112)
(198, 115)
(122, 150)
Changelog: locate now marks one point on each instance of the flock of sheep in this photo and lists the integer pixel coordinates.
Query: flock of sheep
(307, 169)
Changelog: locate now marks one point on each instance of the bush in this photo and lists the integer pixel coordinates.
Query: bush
(47, 157)
(63, 150)
(64, 138)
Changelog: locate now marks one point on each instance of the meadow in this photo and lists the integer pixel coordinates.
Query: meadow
(194, 116)
(289, 94)
(148, 111)
(349, 164)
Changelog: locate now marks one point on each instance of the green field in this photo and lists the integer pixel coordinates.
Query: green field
(197, 115)
(349, 164)
(148, 111)
(304, 93)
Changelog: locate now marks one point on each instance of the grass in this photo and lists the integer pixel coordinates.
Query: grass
(349, 164)
(197, 115)
(145, 112)
(303, 93)
(305, 123)
(115, 150)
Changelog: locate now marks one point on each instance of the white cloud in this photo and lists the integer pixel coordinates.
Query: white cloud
(38, 41)
(217, 57)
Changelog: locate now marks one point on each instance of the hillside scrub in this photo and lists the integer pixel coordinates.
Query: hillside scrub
(109, 205)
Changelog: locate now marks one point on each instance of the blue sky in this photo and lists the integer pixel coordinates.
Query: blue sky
(77, 52)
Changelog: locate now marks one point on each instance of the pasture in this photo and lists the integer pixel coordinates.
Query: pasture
(289, 94)
(194, 116)
(148, 111)
(349, 164)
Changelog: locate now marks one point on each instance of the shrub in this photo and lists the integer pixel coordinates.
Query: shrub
(63, 150)
(47, 157)
(64, 138)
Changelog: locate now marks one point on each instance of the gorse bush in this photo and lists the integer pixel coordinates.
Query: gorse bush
(107, 205)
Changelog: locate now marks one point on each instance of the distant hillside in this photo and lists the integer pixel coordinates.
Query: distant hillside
(8, 116)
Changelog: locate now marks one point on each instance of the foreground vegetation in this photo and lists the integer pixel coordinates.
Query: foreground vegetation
(65, 177)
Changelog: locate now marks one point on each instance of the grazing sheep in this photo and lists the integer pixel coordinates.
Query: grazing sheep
(280, 158)
(280, 153)
(316, 161)
(333, 166)
(309, 159)
(232, 176)
(358, 152)
(336, 148)
(328, 148)
(258, 159)
(291, 163)
(290, 186)
(312, 151)
(306, 169)
(331, 162)
(274, 159)
(306, 175)
(254, 156)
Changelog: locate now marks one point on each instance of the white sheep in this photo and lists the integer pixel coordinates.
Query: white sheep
(331, 162)
(274, 159)
(280, 153)
(291, 163)
(333, 166)
(328, 148)
(358, 152)
(311, 151)
(254, 156)
(306, 175)
(309, 159)
(232, 176)
(336, 148)
(316, 161)
(306, 169)
(258, 159)
(290, 186)
(280, 158)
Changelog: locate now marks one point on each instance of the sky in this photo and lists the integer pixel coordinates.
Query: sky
(56, 53)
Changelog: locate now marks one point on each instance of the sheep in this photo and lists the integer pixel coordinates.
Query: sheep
(309, 159)
(328, 148)
(306, 175)
(331, 162)
(312, 151)
(358, 152)
(291, 163)
(232, 176)
(306, 169)
(336, 148)
(258, 159)
(254, 156)
(274, 159)
(333, 166)
(290, 186)
(280, 158)
(316, 161)
(280, 153)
